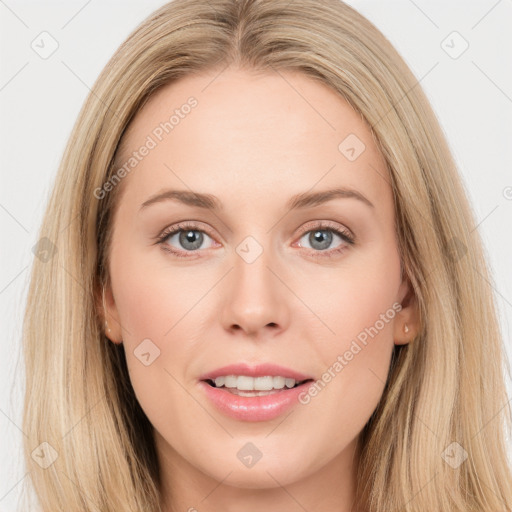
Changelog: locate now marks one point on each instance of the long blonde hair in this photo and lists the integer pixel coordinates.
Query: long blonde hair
(446, 387)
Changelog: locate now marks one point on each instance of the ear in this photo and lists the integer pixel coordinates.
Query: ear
(107, 311)
(407, 316)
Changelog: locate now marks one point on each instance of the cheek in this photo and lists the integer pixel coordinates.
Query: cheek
(147, 307)
(161, 312)
(354, 301)
(151, 296)
(358, 305)
(364, 307)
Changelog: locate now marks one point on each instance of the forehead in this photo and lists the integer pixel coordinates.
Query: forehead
(254, 133)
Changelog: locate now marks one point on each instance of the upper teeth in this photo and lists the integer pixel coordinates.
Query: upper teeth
(245, 383)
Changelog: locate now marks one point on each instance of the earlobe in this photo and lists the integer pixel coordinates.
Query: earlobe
(406, 336)
(406, 322)
(109, 334)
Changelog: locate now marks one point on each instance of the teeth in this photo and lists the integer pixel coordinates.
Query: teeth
(279, 382)
(289, 383)
(246, 383)
(220, 381)
(230, 381)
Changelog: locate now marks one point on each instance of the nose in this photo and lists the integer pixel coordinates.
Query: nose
(256, 301)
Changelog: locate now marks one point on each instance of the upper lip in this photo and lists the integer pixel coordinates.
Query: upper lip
(259, 370)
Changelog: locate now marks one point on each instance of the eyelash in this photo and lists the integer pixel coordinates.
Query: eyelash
(344, 234)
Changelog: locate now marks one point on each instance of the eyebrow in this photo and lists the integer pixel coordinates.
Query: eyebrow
(299, 201)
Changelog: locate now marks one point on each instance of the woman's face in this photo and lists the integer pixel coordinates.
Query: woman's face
(272, 268)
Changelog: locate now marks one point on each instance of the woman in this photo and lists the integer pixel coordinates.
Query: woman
(266, 290)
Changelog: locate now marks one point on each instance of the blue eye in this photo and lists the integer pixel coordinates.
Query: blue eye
(321, 239)
(189, 239)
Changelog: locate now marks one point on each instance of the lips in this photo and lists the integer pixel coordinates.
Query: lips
(262, 406)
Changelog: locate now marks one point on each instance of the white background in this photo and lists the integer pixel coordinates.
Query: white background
(40, 100)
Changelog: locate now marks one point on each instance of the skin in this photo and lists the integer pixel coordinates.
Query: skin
(254, 141)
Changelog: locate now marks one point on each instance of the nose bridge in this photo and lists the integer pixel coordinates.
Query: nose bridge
(255, 296)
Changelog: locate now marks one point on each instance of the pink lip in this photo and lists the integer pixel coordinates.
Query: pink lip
(260, 370)
(256, 408)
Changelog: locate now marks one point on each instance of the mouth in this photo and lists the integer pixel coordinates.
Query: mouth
(253, 405)
(249, 392)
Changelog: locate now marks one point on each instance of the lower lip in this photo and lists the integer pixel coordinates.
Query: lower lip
(253, 408)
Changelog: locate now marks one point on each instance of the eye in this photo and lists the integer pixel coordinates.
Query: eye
(322, 236)
(187, 238)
